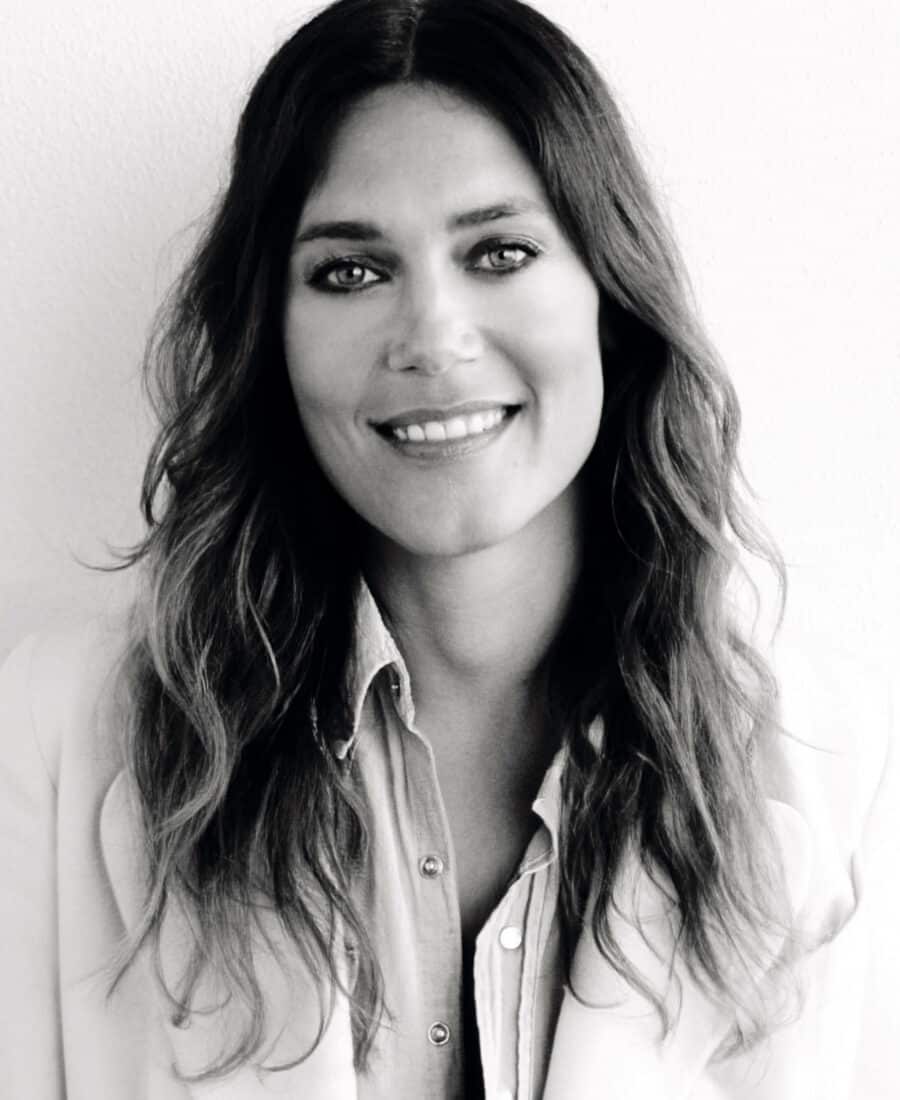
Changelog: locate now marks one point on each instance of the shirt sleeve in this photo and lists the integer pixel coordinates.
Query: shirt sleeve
(30, 1042)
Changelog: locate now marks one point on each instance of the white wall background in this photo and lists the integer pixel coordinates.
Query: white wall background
(772, 129)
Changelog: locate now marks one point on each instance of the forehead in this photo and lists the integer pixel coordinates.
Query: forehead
(411, 151)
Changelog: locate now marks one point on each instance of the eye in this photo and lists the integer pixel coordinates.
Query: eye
(501, 257)
(345, 275)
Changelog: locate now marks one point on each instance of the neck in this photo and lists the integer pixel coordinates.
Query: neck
(476, 627)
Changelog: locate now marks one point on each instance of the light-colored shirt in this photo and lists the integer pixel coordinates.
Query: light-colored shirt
(74, 870)
(410, 905)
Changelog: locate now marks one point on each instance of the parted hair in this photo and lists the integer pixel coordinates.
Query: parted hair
(250, 563)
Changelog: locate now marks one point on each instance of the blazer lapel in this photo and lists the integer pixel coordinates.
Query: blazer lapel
(122, 848)
(291, 1017)
(608, 1035)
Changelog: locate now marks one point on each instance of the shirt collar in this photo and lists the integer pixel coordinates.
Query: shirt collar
(548, 804)
(373, 650)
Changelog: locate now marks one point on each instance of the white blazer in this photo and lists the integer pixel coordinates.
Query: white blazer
(73, 880)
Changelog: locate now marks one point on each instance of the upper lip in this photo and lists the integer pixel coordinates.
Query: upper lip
(447, 412)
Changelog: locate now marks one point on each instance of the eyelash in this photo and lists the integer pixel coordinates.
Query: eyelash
(319, 276)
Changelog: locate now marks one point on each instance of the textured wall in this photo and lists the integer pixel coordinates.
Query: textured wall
(771, 128)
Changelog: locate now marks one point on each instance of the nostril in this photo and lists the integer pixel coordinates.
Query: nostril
(470, 343)
(400, 357)
(436, 350)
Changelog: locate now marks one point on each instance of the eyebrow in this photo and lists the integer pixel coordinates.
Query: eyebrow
(508, 209)
(350, 230)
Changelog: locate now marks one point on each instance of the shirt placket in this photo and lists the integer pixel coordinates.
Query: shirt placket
(508, 955)
(441, 941)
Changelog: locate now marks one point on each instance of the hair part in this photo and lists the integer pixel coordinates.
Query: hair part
(250, 571)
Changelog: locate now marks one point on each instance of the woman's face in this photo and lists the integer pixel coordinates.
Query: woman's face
(440, 332)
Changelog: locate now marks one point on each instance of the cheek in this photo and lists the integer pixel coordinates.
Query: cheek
(326, 407)
(560, 343)
(323, 367)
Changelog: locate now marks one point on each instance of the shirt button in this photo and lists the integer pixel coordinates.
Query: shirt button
(431, 867)
(438, 1034)
(511, 938)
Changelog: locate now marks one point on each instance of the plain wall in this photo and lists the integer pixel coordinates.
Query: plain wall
(771, 129)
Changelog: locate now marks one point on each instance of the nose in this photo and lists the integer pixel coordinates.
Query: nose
(435, 331)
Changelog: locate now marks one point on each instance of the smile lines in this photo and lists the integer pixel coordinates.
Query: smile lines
(458, 427)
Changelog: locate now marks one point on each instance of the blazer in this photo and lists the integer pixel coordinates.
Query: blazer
(73, 872)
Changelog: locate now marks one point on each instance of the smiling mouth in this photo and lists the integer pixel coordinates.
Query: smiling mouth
(447, 429)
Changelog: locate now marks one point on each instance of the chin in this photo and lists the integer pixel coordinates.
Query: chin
(456, 538)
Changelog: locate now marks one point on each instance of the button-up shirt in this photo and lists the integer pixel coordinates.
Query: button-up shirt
(74, 872)
(410, 905)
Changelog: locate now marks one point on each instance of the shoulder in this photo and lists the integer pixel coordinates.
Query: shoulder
(824, 770)
(841, 699)
(835, 722)
(61, 695)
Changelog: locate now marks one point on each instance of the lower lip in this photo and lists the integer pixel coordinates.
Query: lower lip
(444, 450)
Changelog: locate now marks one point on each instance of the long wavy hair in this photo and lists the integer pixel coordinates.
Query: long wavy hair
(249, 563)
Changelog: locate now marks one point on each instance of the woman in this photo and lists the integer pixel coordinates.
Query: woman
(432, 762)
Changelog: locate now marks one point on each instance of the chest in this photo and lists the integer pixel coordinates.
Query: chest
(491, 823)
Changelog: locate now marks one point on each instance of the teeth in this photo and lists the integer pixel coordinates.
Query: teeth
(438, 431)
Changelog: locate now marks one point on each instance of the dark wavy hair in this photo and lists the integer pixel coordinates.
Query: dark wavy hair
(250, 568)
